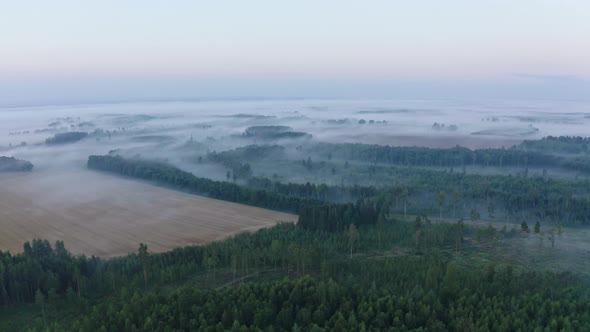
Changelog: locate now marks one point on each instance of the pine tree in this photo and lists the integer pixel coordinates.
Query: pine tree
(537, 228)
(40, 301)
(405, 197)
(353, 236)
(418, 230)
(552, 238)
(442, 196)
(474, 215)
(459, 240)
(143, 257)
(275, 249)
(380, 225)
(456, 198)
(491, 210)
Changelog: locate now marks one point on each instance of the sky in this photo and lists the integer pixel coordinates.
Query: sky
(63, 51)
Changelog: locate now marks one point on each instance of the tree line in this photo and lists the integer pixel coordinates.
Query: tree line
(11, 164)
(516, 156)
(560, 144)
(316, 285)
(419, 192)
(64, 138)
(318, 191)
(53, 270)
(171, 176)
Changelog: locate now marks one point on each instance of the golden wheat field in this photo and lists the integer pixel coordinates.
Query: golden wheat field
(103, 215)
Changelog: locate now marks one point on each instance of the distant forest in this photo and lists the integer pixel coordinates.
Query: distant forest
(430, 192)
(65, 138)
(528, 154)
(11, 164)
(432, 248)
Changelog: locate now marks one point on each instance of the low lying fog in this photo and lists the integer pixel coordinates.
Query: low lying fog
(160, 130)
(182, 133)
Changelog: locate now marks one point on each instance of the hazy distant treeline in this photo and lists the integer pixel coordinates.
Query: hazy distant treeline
(11, 164)
(527, 155)
(426, 192)
(64, 138)
(561, 144)
(316, 191)
(273, 132)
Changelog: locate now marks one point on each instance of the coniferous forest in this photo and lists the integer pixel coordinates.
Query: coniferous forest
(268, 166)
(395, 275)
(433, 251)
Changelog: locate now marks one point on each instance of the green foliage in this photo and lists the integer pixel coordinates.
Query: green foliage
(347, 265)
(143, 257)
(353, 236)
(248, 153)
(310, 304)
(234, 160)
(422, 156)
(371, 291)
(529, 153)
(174, 177)
(314, 214)
(561, 144)
(533, 197)
(416, 191)
(336, 217)
(316, 191)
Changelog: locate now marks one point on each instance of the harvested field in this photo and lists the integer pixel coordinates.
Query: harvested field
(103, 215)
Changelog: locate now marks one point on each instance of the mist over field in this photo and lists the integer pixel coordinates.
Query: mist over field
(396, 123)
(183, 133)
(244, 186)
(295, 166)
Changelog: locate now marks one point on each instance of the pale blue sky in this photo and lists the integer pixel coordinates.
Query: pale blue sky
(167, 49)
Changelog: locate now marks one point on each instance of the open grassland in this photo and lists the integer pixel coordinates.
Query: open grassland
(103, 215)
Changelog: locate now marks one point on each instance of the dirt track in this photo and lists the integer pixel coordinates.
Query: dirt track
(98, 214)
